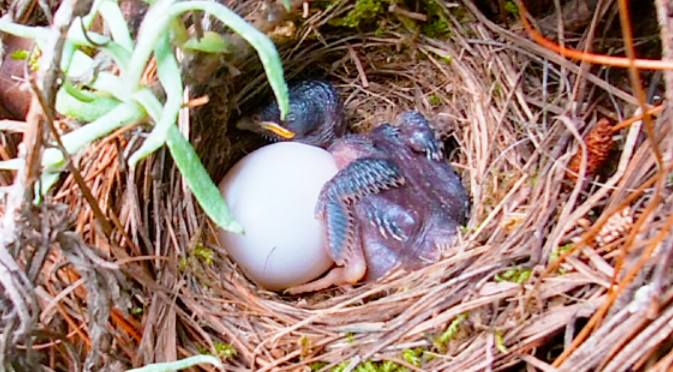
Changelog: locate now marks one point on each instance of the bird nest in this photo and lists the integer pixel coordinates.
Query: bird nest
(559, 247)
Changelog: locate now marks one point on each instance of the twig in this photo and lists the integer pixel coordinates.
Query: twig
(13, 126)
(358, 65)
(643, 64)
(394, 8)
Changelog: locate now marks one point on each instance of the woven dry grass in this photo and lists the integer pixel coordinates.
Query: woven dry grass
(542, 254)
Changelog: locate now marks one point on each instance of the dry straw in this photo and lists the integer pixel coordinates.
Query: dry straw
(516, 290)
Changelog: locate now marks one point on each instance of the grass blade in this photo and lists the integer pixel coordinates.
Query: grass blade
(205, 191)
(179, 364)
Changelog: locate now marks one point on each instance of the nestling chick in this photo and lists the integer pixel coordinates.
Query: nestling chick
(395, 200)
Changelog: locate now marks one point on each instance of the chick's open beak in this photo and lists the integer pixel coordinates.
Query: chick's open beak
(277, 129)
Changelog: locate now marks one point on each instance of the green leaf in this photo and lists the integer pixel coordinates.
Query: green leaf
(85, 106)
(500, 342)
(452, 328)
(20, 54)
(81, 95)
(120, 55)
(169, 76)
(77, 65)
(39, 34)
(155, 27)
(205, 191)
(179, 364)
(149, 102)
(412, 356)
(211, 42)
(12, 164)
(180, 34)
(115, 21)
(110, 84)
(121, 115)
(47, 180)
(88, 19)
(264, 46)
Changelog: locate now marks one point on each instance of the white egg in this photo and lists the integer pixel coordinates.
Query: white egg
(272, 192)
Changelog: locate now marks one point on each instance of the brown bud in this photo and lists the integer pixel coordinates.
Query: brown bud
(617, 226)
(599, 143)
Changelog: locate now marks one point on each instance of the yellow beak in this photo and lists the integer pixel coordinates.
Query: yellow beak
(277, 129)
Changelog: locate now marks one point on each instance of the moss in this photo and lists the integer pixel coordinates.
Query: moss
(437, 23)
(452, 329)
(137, 310)
(203, 253)
(500, 343)
(514, 275)
(20, 55)
(533, 180)
(341, 367)
(368, 366)
(381, 30)
(304, 341)
(437, 27)
(461, 14)
(224, 350)
(452, 332)
(511, 8)
(306, 346)
(315, 366)
(326, 5)
(557, 252)
(196, 255)
(389, 366)
(364, 11)
(413, 356)
(183, 263)
(33, 58)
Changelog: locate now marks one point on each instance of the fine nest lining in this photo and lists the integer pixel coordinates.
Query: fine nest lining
(473, 90)
(475, 310)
